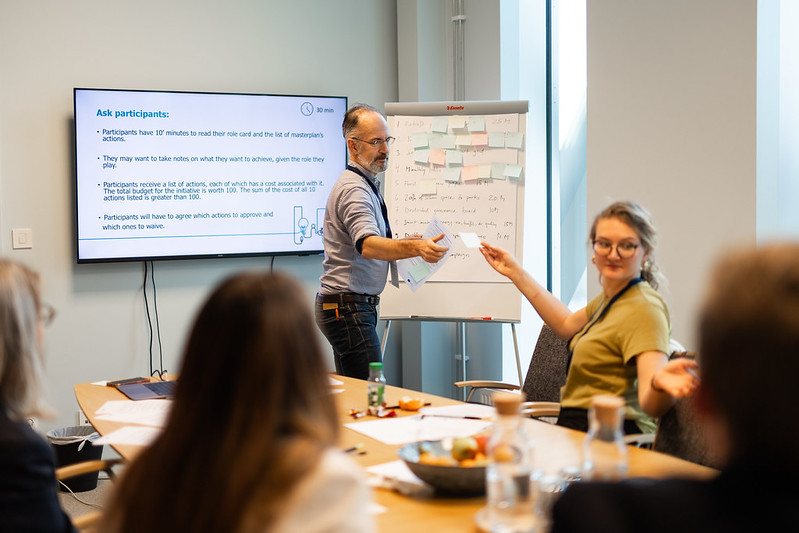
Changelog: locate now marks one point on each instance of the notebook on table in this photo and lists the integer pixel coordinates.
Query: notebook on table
(149, 391)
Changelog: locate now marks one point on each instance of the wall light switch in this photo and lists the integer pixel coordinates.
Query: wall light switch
(21, 238)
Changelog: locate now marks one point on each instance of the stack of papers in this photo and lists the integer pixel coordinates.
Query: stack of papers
(151, 416)
(145, 412)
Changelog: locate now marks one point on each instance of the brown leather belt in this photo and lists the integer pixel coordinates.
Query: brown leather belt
(348, 297)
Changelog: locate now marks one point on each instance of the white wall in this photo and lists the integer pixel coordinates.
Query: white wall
(671, 116)
(346, 48)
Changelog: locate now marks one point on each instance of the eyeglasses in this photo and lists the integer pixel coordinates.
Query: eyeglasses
(377, 142)
(625, 249)
(47, 314)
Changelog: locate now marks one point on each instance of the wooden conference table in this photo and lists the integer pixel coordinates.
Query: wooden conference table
(555, 447)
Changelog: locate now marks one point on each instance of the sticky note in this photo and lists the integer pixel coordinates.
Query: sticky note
(428, 186)
(479, 139)
(442, 142)
(419, 140)
(498, 171)
(513, 171)
(514, 139)
(477, 124)
(470, 173)
(496, 139)
(463, 140)
(421, 156)
(452, 174)
(439, 124)
(484, 171)
(454, 157)
(457, 123)
(438, 157)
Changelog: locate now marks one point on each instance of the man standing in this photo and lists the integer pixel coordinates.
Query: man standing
(359, 247)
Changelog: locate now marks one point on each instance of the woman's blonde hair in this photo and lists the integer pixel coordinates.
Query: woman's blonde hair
(640, 221)
(21, 362)
(252, 415)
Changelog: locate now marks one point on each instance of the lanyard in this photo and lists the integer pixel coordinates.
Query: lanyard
(604, 311)
(372, 186)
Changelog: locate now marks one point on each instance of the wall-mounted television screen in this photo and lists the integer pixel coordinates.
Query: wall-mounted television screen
(178, 175)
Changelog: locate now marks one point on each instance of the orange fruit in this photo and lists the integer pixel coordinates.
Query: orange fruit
(406, 403)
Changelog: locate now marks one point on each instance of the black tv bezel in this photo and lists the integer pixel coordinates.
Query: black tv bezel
(129, 259)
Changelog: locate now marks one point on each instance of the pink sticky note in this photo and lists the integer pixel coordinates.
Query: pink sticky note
(479, 139)
(438, 157)
(470, 173)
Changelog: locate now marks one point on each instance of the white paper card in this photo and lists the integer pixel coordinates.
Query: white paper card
(470, 240)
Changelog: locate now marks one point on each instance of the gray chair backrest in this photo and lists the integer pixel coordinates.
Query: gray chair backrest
(547, 371)
(680, 431)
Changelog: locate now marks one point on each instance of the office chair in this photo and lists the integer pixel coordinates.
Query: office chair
(680, 431)
(87, 522)
(545, 376)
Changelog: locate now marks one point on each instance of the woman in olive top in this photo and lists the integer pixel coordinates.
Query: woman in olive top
(620, 340)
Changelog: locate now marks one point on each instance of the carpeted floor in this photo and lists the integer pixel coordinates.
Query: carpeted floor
(90, 500)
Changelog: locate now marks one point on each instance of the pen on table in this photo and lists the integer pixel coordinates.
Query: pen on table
(425, 404)
(357, 448)
(453, 416)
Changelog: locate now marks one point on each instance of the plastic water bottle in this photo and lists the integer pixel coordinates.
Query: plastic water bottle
(376, 386)
(509, 473)
(604, 451)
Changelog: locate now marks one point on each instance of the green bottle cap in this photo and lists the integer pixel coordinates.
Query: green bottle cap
(376, 366)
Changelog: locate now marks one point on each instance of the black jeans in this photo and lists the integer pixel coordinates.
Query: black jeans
(574, 418)
(352, 334)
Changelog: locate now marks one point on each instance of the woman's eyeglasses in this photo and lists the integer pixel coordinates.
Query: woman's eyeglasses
(625, 249)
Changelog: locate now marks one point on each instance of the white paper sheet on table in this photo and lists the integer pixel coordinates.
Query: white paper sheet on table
(396, 476)
(462, 409)
(146, 412)
(132, 435)
(407, 429)
(395, 470)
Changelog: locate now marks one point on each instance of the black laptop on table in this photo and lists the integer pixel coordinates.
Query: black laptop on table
(149, 391)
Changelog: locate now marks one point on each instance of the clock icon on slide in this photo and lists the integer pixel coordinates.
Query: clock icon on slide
(306, 109)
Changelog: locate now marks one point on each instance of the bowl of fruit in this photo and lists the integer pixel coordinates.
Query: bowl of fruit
(453, 466)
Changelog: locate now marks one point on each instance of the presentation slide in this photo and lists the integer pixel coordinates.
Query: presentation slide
(164, 175)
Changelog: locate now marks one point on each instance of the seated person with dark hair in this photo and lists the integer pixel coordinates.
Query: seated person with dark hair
(749, 356)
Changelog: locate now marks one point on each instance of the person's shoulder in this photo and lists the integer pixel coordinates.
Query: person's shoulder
(25, 456)
(644, 295)
(19, 435)
(350, 182)
(632, 505)
(337, 489)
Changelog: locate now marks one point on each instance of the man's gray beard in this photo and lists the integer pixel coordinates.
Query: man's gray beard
(377, 168)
